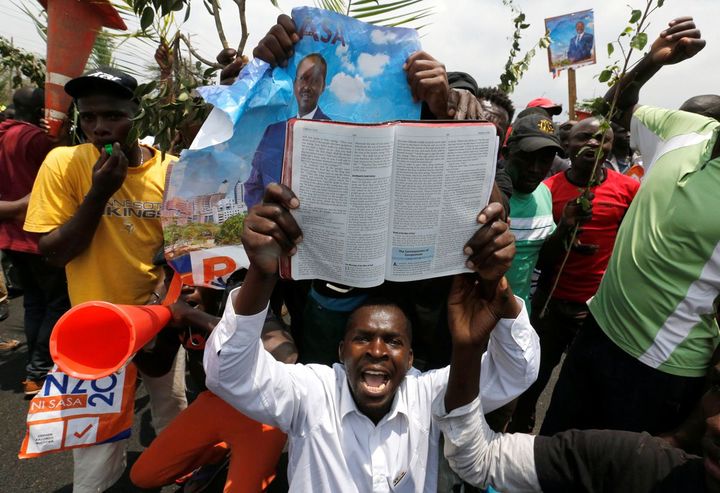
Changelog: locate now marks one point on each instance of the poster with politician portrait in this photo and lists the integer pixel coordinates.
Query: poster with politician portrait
(342, 69)
(572, 42)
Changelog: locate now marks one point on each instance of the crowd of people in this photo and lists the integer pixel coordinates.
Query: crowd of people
(422, 386)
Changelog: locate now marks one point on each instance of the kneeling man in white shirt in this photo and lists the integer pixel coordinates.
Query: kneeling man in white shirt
(365, 424)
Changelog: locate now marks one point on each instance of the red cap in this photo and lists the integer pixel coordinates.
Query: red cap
(552, 107)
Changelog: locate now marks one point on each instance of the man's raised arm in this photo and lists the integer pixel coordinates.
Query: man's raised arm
(269, 233)
(477, 303)
(680, 41)
(511, 361)
(237, 366)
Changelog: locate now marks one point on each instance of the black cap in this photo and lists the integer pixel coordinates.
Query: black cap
(533, 132)
(462, 80)
(103, 80)
(532, 111)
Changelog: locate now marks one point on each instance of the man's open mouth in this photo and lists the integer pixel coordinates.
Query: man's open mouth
(374, 381)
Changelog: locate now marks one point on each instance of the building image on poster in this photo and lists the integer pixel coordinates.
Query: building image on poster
(572, 42)
(342, 70)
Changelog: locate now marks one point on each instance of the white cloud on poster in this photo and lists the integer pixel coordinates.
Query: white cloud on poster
(382, 37)
(348, 89)
(372, 65)
(342, 53)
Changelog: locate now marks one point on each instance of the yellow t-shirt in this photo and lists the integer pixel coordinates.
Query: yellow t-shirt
(117, 266)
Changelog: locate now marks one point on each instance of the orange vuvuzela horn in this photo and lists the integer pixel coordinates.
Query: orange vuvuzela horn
(96, 338)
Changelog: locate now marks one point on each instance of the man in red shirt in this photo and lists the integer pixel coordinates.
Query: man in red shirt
(23, 147)
(586, 264)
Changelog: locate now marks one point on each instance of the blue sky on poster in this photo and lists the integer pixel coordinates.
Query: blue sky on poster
(472, 35)
(365, 80)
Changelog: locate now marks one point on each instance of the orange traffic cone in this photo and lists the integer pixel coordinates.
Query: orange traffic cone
(96, 338)
(72, 28)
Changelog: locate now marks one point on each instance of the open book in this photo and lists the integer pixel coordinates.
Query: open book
(395, 201)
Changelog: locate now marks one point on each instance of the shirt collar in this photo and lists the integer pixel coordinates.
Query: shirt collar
(310, 115)
(347, 403)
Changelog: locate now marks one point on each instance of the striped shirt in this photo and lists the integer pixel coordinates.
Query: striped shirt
(531, 221)
(656, 298)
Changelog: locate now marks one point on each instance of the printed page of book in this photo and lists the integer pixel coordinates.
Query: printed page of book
(341, 174)
(443, 177)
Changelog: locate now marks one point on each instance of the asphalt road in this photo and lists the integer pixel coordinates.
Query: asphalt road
(53, 473)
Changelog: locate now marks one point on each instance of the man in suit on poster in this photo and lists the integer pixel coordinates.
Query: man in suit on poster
(267, 164)
(581, 44)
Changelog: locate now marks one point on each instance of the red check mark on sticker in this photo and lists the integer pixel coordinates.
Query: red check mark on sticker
(82, 433)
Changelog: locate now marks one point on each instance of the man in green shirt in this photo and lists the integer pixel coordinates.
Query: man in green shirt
(639, 361)
(529, 153)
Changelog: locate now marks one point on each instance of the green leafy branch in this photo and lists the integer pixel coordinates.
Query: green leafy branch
(635, 31)
(392, 13)
(515, 69)
(170, 105)
(22, 63)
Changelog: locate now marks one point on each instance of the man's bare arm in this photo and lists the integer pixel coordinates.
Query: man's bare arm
(680, 41)
(269, 233)
(14, 210)
(477, 302)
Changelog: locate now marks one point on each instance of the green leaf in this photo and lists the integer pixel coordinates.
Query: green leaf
(585, 203)
(660, 3)
(147, 18)
(610, 49)
(393, 13)
(333, 5)
(139, 116)
(583, 150)
(605, 75)
(639, 41)
(635, 16)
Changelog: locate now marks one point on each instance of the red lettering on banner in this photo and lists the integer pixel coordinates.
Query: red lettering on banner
(215, 267)
(82, 433)
(321, 32)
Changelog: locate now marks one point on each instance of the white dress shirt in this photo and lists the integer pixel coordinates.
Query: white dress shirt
(482, 457)
(332, 446)
(308, 116)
